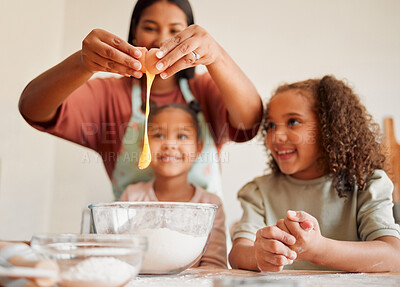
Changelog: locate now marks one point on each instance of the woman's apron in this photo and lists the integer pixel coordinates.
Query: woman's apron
(205, 171)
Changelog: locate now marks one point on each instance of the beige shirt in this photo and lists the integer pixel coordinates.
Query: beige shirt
(215, 253)
(364, 216)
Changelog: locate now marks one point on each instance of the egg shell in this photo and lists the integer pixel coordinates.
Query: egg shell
(142, 58)
(151, 61)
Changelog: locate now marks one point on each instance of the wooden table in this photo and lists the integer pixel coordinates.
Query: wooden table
(236, 278)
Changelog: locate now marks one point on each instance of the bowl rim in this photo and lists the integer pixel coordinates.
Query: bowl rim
(125, 204)
(40, 238)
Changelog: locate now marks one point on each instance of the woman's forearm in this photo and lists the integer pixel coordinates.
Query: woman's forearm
(240, 96)
(43, 95)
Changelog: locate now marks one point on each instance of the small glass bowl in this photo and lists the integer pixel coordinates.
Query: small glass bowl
(92, 259)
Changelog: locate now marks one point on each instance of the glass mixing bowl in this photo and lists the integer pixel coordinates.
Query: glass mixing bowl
(177, 232)
(92, 259)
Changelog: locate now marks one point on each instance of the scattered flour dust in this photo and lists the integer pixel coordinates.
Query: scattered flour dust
(99, 272)
(170, 250)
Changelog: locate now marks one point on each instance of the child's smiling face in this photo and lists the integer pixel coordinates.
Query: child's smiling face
(173, 142)
(292, 135)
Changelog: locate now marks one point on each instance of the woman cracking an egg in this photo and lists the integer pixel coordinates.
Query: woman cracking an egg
(108, 115)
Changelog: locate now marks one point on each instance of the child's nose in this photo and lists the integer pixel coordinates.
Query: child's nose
(280, 135)
(169, 144)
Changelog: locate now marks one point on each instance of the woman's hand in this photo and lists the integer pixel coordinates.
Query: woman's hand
(194, 46)
(305, 229)
(272, 251)
(176, 53)
(103, 51)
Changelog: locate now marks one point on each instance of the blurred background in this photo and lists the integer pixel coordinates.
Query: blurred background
(46, 182)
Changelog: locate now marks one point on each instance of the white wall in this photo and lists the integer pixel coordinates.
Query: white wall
(44, 182)
(80, 182)
(30, 43)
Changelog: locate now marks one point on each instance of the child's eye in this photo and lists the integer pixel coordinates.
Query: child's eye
(158, 136)
(293, 122)
(182, 137)
(175, 31)
(269, 126)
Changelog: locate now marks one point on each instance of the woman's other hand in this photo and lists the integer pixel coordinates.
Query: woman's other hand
(191, 47)
(103, 51)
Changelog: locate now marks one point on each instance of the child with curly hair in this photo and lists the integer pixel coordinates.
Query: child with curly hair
(327, 203)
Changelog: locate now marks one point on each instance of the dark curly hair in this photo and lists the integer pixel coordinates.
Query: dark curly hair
(349, 139)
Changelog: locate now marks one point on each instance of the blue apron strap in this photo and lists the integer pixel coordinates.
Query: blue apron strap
(185, 89)
(136, 102)
(206, 170)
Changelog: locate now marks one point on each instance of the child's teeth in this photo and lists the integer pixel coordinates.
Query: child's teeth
(285, 152)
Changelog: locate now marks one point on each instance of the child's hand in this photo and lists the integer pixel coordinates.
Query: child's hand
(305, 229)
(271, 249)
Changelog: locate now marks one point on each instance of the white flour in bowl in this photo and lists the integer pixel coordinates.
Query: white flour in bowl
(98, 271)
(170, 250)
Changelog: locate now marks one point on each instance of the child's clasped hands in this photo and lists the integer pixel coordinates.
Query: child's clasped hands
(296, 237)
